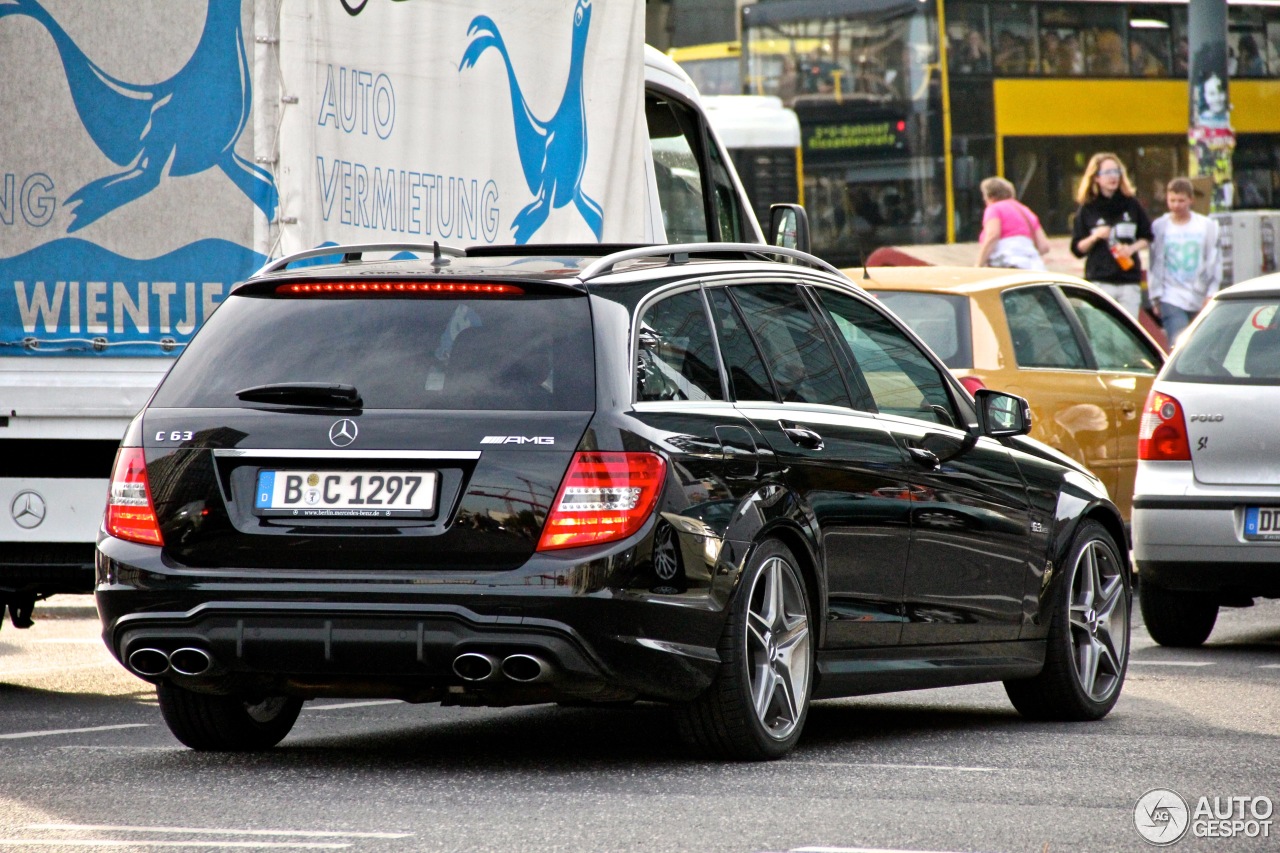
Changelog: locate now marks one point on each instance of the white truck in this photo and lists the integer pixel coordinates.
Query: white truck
(154, 153)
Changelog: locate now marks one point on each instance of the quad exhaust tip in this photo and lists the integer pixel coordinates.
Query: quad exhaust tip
(475, 666)
(525, 668)
(149, 662)
(190, 661)
(479, 666)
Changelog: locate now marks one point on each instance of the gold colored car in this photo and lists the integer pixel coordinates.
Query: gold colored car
(1082, 362)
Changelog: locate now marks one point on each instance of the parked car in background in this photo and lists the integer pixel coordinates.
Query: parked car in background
(1083, 364)
(688, 474)
(1206, 519)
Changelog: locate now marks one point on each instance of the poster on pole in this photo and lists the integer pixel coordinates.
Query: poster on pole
(1211, 138)
(461, 122)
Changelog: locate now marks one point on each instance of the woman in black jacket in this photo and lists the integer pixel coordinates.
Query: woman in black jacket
(1110, 228)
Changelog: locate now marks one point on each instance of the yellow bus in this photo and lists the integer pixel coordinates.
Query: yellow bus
(905, 106)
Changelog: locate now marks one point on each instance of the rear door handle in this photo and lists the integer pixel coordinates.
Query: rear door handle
(801, 436)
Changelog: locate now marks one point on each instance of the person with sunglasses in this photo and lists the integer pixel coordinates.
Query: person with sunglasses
(1110, 228)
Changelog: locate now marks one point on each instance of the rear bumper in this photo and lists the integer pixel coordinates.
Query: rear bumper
(1232, 582)
(1197, 544)
(298, 634)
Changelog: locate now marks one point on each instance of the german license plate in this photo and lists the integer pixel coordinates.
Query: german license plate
(347, 494)
(1261, 522)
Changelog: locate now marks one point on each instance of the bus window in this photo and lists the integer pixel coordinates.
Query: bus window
(714, 68)
(1014, 52)
(968, 50)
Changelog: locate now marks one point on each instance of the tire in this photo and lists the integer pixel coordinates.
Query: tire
(1087, 651)
(1178, 619)
(226, 723)
(756, 707)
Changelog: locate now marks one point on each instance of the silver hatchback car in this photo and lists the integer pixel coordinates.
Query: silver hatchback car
(1206, 517)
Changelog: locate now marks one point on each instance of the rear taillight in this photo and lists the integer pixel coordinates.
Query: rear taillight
(1163, 433)
(130, 513)
(972, 384)
(604, 497)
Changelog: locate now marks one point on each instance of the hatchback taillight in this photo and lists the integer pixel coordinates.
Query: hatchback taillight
(130, 513)
(1163, 433)
(604, 497)
(972, 384)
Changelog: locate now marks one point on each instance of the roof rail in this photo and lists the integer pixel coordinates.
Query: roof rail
(353, 252)
(680, 253)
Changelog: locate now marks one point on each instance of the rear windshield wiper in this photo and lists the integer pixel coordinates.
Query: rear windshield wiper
(304, 394)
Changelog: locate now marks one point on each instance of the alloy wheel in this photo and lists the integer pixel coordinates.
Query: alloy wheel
(779, 658)
(1099, 617)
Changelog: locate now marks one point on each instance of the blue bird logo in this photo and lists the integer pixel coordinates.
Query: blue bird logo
(181, 126)
(553, 153)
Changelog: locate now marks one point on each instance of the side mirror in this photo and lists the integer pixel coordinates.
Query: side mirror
(789, 226)
(1001, 415)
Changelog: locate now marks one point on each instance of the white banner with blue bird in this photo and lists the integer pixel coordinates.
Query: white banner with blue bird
(463, 122)
(133, 189)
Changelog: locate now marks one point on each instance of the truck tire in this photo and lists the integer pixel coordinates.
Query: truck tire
(226, 723)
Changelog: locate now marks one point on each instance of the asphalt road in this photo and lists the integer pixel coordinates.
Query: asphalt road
(87, 763)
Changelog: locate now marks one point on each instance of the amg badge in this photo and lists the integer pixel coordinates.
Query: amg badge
(518, 439)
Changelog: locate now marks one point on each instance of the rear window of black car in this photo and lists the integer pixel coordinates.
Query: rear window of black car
(942, 320)
(496, 353)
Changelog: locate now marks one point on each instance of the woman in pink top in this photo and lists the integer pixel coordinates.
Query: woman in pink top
(1011, 234)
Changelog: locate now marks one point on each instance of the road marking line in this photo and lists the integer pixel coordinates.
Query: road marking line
(854, 850)
(17, 735)
(898, 767)
(95, 641)
(1269, 666)
(90, 827)
(1133, 662)
(47, 669)
(133, 843)
(353, 705)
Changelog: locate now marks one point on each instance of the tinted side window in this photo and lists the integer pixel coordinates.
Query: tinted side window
(1115, 345)
(796, 352)
(747, 376)
(1042, 334)
(677, 356)
(901, 378)
(673, 135)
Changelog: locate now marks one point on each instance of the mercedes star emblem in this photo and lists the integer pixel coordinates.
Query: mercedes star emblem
(28, 509)
(343, 432)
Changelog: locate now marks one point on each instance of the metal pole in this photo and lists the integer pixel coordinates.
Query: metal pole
(948, 168)
(1209, 132)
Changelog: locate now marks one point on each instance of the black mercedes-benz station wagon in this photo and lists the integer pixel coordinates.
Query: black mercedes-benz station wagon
(716, 476)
